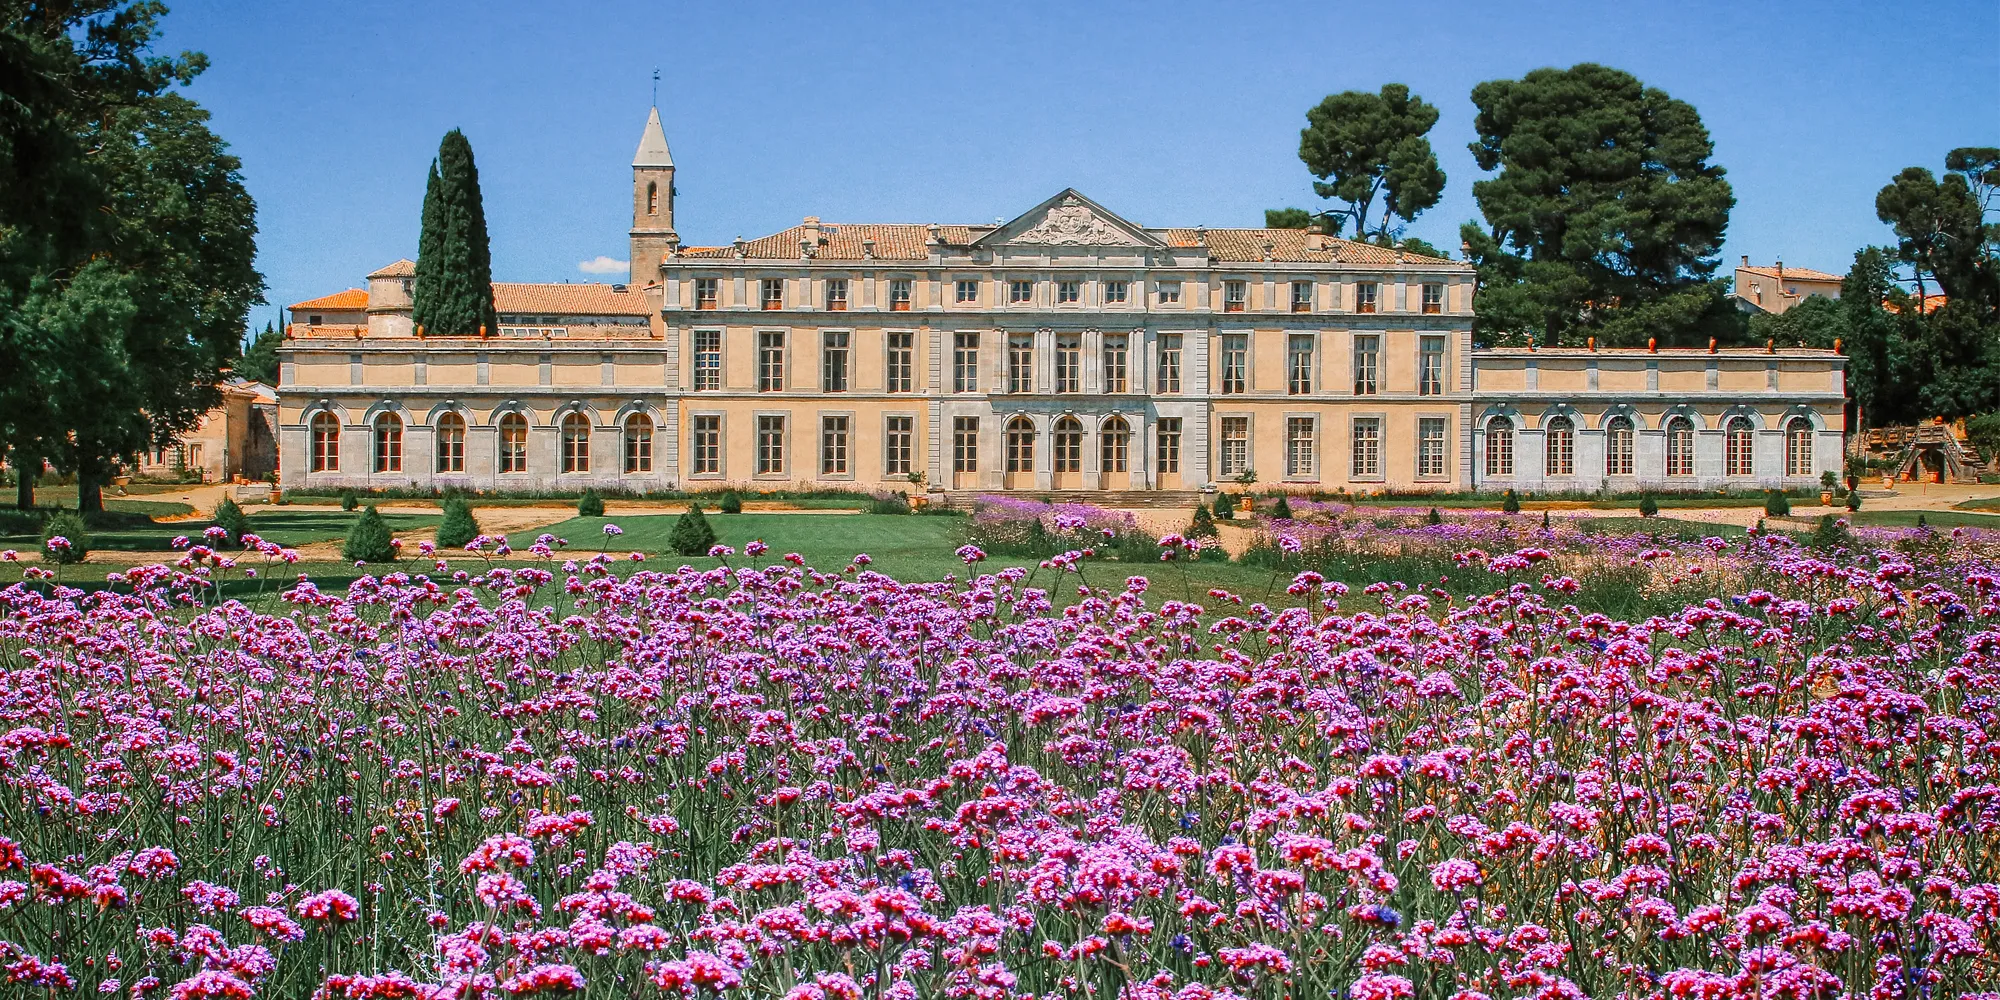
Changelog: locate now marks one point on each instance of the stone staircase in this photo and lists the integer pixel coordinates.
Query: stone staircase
(1122, 499)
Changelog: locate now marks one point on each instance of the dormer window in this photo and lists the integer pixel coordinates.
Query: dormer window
(1234, 293)
(836, 294)
(899, 295)
(774, 293)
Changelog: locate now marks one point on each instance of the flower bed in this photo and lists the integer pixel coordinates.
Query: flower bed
(772, 782)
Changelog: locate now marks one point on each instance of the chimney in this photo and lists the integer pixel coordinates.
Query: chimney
(1746, 260)
(1316, 235)
(812, 233)
(1781, 269)
(868, 248)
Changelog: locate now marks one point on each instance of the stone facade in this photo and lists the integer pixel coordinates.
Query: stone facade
(1068, 349)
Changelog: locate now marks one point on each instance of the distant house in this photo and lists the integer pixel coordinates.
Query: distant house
(235, 439)
(1777, 288)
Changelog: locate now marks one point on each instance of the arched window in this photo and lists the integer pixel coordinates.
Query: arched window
(1068, 445)
(513, 443)
(638, 443)
(652, 198)
(1798, 447)
(1020, 445)
(576, 443)
(1114, 441)
(1739, 456)
(1559, 447)
(1618, 446)
(388, 443)
(1499, 447)
(451, 443)
(325, 442)
(1680, 447)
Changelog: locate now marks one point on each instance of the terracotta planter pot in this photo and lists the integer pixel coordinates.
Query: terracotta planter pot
(1826, 498)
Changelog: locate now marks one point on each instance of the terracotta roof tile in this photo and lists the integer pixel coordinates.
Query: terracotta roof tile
(1290, 246)
(896, 241)
(567, 299)
(1794, 273)
(352, 300)
(404, 268)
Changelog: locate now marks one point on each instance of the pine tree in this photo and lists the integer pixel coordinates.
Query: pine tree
(691, 535)
(454, 290)
(260, 362)
(369, 539)
(459, 527)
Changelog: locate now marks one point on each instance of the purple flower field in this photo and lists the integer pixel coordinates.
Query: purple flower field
(607, 780)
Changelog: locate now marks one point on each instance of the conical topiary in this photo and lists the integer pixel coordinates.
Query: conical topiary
(1776, 504)
(369, 539)
(1434, 517)
(1225, 507)
(1511, 504)
(1282, 510)
(1648, 506)
(691, 535)
(459, 527)
(230, 518)
(731, 502)
(1203, 525)
(590, 504)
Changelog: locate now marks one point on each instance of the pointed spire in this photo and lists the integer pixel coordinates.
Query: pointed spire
(653, 145)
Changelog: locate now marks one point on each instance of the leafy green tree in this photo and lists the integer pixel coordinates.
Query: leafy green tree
(1942, 229)
(1367, 147)
(368, 539)
(453, 286)
(260, 362)
(1606, 217)
(458, 527)
(692, 535)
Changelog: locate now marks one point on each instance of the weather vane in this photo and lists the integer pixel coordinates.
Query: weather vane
(656, 86)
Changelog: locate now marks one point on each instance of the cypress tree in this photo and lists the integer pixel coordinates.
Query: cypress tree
(430, 253)
(458, 281)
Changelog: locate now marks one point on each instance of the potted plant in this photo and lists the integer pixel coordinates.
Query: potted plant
(1827, 481)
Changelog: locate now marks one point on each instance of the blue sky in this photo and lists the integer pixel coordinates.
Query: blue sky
(1169, 113)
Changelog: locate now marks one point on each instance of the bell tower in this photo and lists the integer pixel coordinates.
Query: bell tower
(652, 202)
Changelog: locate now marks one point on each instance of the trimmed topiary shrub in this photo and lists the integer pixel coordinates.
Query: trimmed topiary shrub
(369, 539)
(692, 535)
(1511, 504)
(1225, 507)
(230, 517)
(65, 538)
(349, 500)
(1776, 504)
(459, 527)
(590, 504)
(1282, 510)
(1853, 500)
(1434, 517)
(730, 503)
(1203, 525)
(1648, 507)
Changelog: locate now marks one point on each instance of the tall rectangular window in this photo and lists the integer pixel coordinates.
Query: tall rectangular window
(833, 446)
(1299, 364)
(1170, 363)
(901, 364)
(1364, 296)
(707, 359)
(1430, 447)
(966, 291)
(1114, 293)
(770, 361)
(1235, 295)
(1367, 359)
(1300, 447)
(899, 295)
(1020, 292)
(836, 294)
(1433, 298)
(1114, 362)
(774, 293)
(965, 444)
(833, 361)
(770, 445)
(1169, 444)
(1235, 445)
(1021, 362)
(1430, 366)
(705, 296)
(1169, 291)
(1069, 293)
(1069, 363)
(898, 440)
(1302, 296)
(1235, 362)
(1367, 447)
(965, 362)
(705, 445)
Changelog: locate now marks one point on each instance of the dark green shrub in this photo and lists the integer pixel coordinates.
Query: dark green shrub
(691, 535)
(1203, 525)
(75, 537)
(1829, 534)
(1545, 520)
(230, 517)
(349, 500)
(731, 503)
(369, 539)
(889, 503)
(1434, 517)
(1648, 507)
(1923, 522)
(1853, 500)
(1225, 507)
(1282, 510)
(590, 504)
(1511, 504)
(459, 527)
(1776, 504)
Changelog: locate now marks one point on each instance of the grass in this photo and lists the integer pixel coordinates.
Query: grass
(1664, 527)
(287, 528)
(1908, 519)
(901, 545)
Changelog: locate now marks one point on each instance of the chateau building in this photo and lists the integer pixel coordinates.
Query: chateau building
(1069, 349)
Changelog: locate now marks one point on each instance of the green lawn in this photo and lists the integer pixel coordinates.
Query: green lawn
(287, 528)
(1935, 518)
(901, 545)
(1665, 527)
